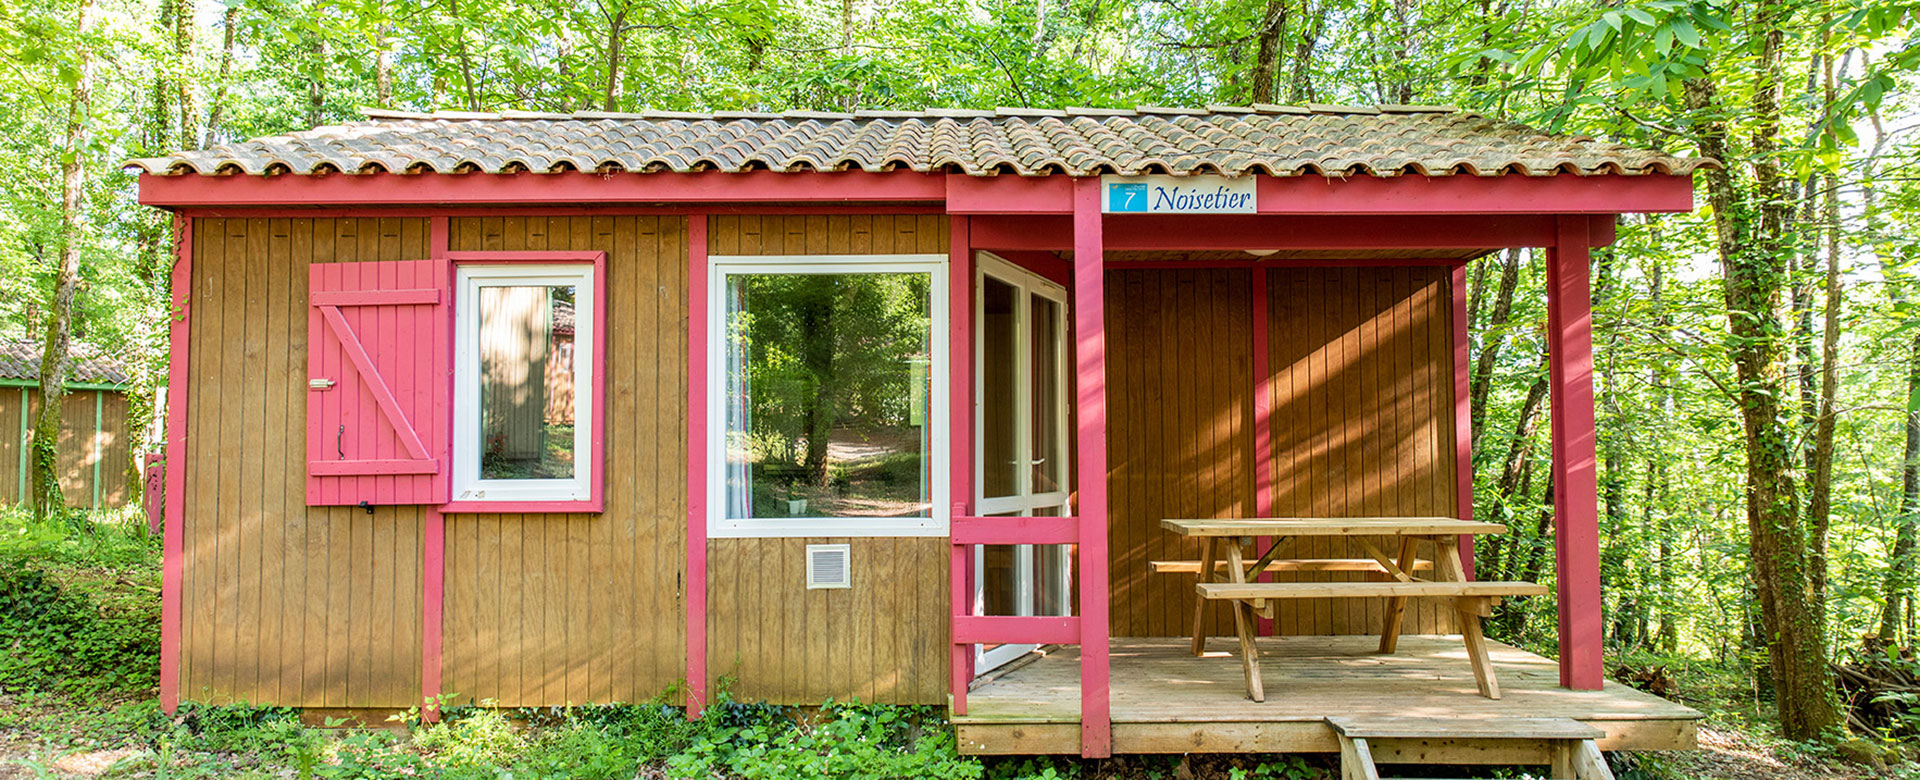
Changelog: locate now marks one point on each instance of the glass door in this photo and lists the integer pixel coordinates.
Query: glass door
(1020, 391)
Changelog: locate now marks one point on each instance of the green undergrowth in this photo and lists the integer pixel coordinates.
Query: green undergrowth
(79, 606)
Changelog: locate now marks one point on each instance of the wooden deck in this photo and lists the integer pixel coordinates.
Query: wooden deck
(1165, 700)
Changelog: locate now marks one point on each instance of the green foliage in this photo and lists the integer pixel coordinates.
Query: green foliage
(75, 618)
(847, 741)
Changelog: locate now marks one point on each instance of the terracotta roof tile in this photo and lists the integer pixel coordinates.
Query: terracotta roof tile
(1276, 140)
(20, 359)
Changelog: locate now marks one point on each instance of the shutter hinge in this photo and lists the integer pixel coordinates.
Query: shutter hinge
(320, 384)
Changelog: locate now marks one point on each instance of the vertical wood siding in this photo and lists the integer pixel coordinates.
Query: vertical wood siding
(1180, 436)
(84, 449)
(1363, 416)
(1361, 425)
(550, 609)
(884, 639)
(282, 603)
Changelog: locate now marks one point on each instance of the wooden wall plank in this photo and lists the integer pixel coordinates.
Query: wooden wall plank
(274, 597)
(571, 608)
(1356, 426)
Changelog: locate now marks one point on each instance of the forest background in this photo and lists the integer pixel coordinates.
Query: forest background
(1759, 360)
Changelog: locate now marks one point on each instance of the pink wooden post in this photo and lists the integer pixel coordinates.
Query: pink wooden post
(960, 469)
(1262, 416)
(434, 531)
(1576, 518)
(1462, 415)
(696, 464)
(433, 577)
(1090, 352)
(173, 548)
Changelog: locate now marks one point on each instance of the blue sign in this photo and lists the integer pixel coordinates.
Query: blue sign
(1180, 195)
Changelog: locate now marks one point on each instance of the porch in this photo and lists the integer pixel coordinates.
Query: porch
(1166, 700)
(1273, 365)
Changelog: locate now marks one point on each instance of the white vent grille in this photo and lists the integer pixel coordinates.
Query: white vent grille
(828, 566)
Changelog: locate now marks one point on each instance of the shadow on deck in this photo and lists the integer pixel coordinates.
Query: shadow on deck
(1165, 700)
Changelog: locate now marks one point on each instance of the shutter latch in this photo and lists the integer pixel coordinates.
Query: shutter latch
(320, 384)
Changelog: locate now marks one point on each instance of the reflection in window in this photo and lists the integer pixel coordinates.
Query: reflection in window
(827, 382)
(526, 382)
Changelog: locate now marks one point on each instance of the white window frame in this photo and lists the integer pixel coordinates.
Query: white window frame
(470, 278)
(720, 268)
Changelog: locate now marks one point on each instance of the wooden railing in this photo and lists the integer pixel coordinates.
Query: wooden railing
(969, 629)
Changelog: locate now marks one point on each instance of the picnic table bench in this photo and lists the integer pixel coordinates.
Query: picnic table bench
(1229, 578)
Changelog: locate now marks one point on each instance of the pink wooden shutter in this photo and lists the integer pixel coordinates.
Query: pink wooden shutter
(379, 379)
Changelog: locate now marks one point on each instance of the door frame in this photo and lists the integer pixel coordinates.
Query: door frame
(1025, 502)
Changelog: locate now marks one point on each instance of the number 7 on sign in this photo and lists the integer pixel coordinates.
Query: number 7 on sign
(1126, 196)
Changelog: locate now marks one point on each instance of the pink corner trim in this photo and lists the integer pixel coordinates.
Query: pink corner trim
(960, 463)
(173, 542)
(434, 539)
(960, 466)
(433, 577)
(696, 464)
(1090, 353)
(1462, 415)
(1262, 416)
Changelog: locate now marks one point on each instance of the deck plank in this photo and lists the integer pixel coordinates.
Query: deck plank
(1156, 681)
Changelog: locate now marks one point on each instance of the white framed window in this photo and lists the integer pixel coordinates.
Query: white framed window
(526, 393)
(827, 396)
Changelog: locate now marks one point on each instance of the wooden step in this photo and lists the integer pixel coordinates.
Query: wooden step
(1287, 565)
(1361, 590)
(1463, 728)
(1575, 755)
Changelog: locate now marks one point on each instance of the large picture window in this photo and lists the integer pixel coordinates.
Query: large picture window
(828, 396)
(524, 389)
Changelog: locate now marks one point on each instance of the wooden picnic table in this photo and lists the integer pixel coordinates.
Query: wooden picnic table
(1234, 581)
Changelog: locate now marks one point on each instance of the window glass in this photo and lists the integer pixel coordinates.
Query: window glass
(827, 395)
(526, 382)
(999, 445)
(1049, 464)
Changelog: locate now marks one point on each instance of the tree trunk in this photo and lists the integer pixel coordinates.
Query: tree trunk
(1751, 239)
(1897, 586)
(184, 12)
(466, 59)
(616, 36)
(1820, 466)
(158, 135)
(55, 361)
(1898, 582)
(218, 103)
(1266, 59)
(1491, 343)
(1301, 88)
(383, 58)
(1820, 477)
(317, 75)
(1659, 380)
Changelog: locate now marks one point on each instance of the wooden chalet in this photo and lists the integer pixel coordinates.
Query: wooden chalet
(1115, 431)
